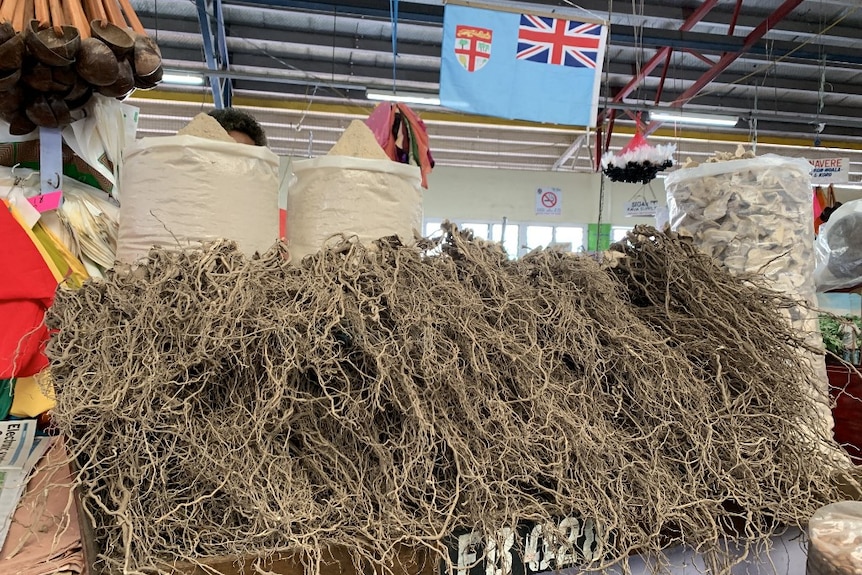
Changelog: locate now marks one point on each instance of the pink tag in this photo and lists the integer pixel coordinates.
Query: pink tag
(46, 202)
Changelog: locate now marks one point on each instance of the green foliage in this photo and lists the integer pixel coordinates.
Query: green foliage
(832, 329)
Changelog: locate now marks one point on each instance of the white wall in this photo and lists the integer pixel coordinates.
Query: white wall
(484, 194)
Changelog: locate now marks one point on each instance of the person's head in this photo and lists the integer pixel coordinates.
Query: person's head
(827, 212)
(241, 126)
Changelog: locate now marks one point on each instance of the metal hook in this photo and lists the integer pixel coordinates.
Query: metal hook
(54, 182)
(16, 179)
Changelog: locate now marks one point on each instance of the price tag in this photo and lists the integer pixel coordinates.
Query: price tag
(29, 214)
(46, 202)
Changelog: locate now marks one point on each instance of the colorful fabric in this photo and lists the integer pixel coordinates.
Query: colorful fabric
(521, 66)
(403, 136)
(26, 291)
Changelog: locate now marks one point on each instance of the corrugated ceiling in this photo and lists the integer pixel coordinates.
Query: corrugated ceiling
(304, 66)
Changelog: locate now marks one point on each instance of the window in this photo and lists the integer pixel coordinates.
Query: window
(432, 228)
(539, 237)
(618, 233)
(510, 241)
(479, 230)
(518, 238)
(574, 236)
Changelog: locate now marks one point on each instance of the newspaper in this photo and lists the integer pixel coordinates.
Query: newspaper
(16, 439)
(20, 451)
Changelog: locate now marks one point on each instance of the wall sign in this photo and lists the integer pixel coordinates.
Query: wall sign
(641, 208)
(549, 202)
(827, 171)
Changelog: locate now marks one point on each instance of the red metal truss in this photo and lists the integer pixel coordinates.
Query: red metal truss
(661, 54)
(728, 58)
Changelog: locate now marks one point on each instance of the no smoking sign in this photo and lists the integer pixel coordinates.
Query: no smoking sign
(548, 202)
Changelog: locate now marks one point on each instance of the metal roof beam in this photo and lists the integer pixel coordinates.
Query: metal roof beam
(221, 87)
(574, 150)
(653, 62)
(720, 43)
(662, 54)
(777, 15)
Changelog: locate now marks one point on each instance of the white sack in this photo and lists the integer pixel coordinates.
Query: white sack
(183, 190)
(368, 199)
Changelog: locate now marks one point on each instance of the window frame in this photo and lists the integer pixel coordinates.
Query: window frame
(522, 230)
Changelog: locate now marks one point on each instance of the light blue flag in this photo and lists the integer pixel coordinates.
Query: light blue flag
(521, 66)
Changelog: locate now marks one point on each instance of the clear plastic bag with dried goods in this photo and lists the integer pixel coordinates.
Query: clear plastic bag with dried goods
(838, 249)
(752, 215)
(835, 533)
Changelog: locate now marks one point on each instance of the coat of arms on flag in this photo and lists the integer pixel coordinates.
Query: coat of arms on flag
(560, 42)
(472, 47)
(546, 67)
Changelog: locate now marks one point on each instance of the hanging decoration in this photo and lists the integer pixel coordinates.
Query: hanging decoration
(55, 55)
(638, 161)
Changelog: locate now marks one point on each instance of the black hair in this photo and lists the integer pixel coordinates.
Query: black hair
(827, 212)
(233, 120)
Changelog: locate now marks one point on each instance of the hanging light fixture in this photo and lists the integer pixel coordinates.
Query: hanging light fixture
(405, 97)
(182, 79)
(698, 119)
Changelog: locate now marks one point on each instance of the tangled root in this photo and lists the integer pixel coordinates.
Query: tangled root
(219, 405)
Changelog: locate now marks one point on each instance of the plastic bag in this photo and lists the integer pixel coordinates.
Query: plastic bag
(368, 199)
(751, 215)
(100, 138)
(835, 533)
(179, 191)
(754, 216)
(838, 249)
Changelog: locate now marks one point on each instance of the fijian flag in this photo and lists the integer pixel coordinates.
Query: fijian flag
(521, 66)
(557, 41)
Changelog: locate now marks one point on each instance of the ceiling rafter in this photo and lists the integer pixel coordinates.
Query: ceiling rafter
(337, 48)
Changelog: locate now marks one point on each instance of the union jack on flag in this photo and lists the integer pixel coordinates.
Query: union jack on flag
(557, 41)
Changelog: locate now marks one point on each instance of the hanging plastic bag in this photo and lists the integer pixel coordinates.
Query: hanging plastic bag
(100, 138)
(838, 249)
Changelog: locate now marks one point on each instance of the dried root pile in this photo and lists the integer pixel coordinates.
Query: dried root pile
(220, 405)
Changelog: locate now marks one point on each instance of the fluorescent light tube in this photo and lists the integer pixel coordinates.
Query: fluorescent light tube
(692, 118)
(406, 97)
(182, 79)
